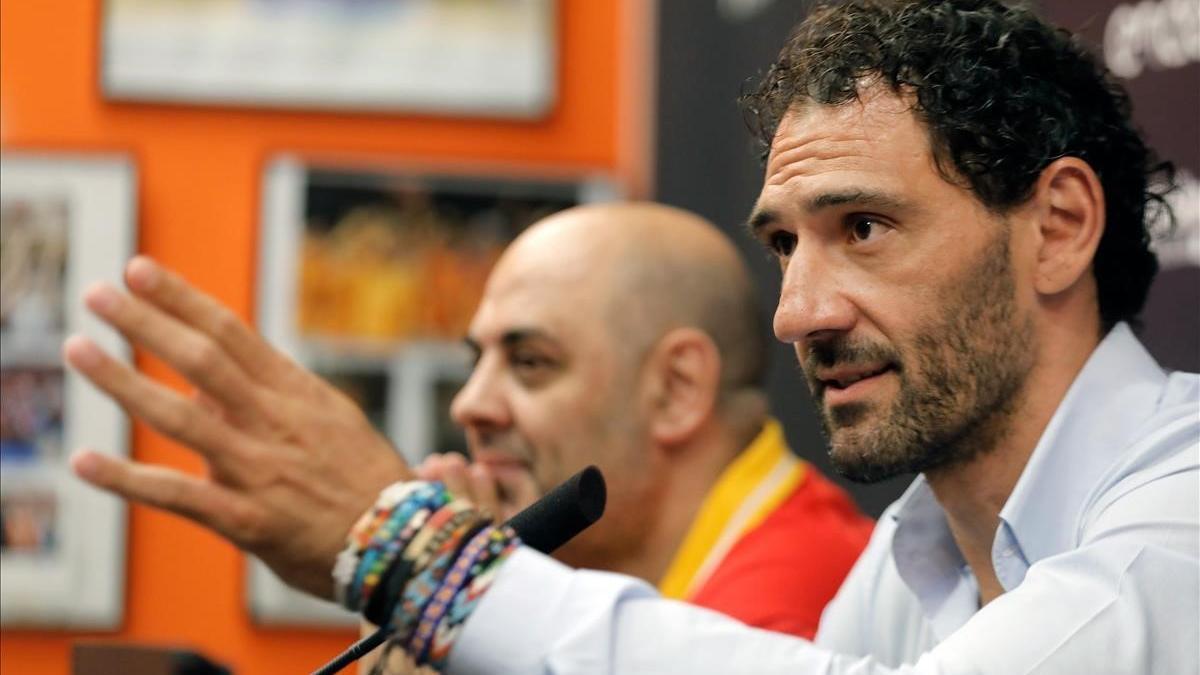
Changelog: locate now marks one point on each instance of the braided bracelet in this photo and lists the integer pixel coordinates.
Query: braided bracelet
(379, 541)
(462, 593)
(360, 534)
(347, 572)
(440, 600)
(425, 580)
(421, 561)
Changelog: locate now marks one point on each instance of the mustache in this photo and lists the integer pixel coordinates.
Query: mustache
(505, 442)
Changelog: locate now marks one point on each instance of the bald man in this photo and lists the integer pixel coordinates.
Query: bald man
(628, 336)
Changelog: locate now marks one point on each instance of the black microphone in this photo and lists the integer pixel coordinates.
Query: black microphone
(562, 512)
(545, 525)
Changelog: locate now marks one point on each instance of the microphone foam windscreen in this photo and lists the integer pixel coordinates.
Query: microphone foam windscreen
(563, 512)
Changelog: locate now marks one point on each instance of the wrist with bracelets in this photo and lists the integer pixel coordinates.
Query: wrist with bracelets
(419, 561)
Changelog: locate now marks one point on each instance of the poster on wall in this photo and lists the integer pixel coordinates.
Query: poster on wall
(370, 278)
(462, 57)
(65, 222)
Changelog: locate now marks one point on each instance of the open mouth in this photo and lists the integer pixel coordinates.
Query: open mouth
(844, 379)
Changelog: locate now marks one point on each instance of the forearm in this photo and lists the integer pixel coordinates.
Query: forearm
(545, 617)
(542, 617)
(1072, 614)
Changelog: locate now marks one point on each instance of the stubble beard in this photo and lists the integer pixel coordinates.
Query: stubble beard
(960, 380)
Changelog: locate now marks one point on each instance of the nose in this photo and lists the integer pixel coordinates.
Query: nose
(812, 300)
(480, 404)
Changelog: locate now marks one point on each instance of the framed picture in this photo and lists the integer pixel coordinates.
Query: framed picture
(425, 379)
(370, 278)
(65, 221)
(473, 57)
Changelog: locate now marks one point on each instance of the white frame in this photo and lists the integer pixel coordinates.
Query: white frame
(82, 584)
(414, 369)
(412, 401)
(425, 57)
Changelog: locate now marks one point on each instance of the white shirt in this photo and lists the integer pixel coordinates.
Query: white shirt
(1098, 551)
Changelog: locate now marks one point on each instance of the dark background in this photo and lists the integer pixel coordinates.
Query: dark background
(709, 51)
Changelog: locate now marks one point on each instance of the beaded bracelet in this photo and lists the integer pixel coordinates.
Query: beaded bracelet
(379, 540)
(360, 534)
(381, 550)
(372, 530)
(437, 604)
(386, 555)
(432, 557)
(472, 574)
(425, 580)
(429, 540)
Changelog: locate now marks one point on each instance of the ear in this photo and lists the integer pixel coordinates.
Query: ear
(1070, 207)
(684, 371)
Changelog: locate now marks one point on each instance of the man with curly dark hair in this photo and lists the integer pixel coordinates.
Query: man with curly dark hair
(958, 204)
(1001, 95)
(957, 201)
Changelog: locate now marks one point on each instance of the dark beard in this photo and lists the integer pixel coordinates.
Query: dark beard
(957, 402)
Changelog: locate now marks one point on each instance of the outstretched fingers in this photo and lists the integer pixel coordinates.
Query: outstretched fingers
(167, 411)
(202, 501)
(194, 355)
(169, 292)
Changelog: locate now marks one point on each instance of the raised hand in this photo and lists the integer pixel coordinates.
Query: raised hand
(292, 461)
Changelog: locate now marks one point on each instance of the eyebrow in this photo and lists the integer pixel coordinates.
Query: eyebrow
(762, 218)
(512, 338)
(509, 339)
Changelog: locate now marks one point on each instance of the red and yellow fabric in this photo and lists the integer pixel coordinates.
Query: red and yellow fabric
(771, 543)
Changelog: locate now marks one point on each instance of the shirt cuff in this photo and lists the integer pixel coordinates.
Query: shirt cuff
(533, 604)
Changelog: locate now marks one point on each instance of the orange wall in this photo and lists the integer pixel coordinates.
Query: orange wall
(199, 174)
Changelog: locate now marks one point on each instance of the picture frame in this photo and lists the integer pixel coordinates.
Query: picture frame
(369, 275)
(460, 57)
(66, 221)
(425, 377)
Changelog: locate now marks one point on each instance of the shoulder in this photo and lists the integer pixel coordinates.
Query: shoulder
(1158, 476)
(1165, 443)
(781, 573)
(816, 513)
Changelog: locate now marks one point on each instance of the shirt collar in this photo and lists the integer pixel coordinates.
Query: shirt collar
(928, 560)
(1115, 391)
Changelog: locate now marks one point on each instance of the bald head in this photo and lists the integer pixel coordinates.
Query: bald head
(647, 268)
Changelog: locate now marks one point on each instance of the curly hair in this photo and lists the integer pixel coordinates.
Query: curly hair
(1002, 95)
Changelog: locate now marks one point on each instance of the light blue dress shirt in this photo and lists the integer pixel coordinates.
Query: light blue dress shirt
(1098, 551)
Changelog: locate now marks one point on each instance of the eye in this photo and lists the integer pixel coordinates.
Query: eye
(532, 368)
(865, 228)
(781, 243)
(528, 361)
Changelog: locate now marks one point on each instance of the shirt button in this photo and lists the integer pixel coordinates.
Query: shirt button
(1006, 553)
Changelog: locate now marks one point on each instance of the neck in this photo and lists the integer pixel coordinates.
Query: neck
(691, 472)
(973, 493)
